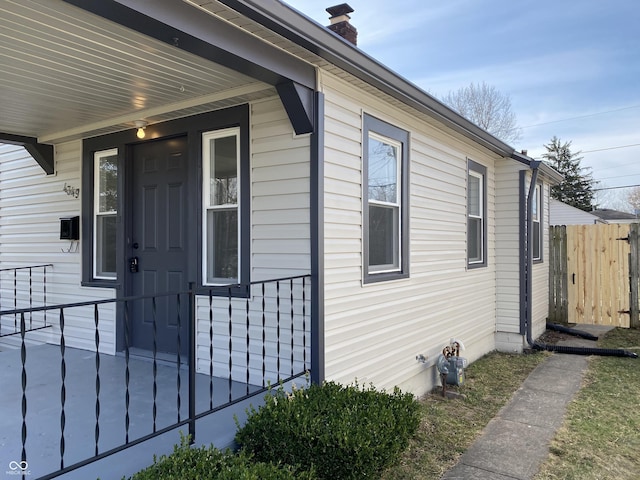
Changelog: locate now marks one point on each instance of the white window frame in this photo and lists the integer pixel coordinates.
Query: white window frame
(206, 206)
(97, 157)
(396, 266)
(536, 218)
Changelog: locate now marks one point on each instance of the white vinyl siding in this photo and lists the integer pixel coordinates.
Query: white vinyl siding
(540, 270)
(563, 214)
(373, 332)
(508, 205)
(31, 205)
(280, 247)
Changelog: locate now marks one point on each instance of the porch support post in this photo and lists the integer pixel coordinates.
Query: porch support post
(41, 153)
(317, 242)
(192, 364)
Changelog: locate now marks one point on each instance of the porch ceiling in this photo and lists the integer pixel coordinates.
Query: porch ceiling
(67, 73)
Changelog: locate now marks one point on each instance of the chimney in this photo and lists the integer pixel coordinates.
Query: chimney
(340, 22)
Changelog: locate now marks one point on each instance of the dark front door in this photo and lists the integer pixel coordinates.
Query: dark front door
(158, 244)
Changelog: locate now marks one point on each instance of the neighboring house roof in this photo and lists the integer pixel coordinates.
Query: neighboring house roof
(562, 214)
(615, 216)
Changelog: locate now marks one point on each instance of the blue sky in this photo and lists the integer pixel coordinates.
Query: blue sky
(570, 67)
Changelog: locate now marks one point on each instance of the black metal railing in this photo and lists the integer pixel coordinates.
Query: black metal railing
(23, 287)
(227, 349)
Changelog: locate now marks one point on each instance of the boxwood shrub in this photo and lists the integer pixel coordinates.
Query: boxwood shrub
(209, 463)
(342, 432)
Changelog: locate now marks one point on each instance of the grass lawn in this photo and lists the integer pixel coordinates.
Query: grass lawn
(449, 427)
(600, 438)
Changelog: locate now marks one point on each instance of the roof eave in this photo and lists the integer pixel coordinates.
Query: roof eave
(319, 40)
(548, 172)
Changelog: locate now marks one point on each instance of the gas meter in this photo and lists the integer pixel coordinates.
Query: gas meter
(451, 365)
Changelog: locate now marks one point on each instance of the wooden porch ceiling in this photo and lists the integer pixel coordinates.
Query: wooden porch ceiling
(67, 74)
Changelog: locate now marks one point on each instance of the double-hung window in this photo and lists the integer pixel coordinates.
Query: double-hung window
(221, 209)
(385, 209)
(476, 215)
(105, 211)
(536, 216)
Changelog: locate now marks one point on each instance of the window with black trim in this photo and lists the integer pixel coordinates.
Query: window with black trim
(385, 203)
(476, 215)
(536, 217)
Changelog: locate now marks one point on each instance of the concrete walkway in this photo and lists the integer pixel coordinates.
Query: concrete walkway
(516, 442)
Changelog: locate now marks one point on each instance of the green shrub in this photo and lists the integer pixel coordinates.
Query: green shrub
(342, 432)
(209, 463)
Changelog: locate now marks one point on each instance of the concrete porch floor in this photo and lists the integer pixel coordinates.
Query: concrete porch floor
(43, 392)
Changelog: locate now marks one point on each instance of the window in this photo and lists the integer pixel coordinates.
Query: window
(476, 215)
(536, 218)
(221, 195)
(385, 188)
(105, 210)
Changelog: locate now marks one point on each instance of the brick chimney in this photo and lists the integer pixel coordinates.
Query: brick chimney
(340, 22)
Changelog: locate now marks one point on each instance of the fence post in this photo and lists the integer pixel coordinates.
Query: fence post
(564, 275)
(552, 273)
(634, 276)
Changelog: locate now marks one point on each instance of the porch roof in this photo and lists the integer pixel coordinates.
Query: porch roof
(81, 68)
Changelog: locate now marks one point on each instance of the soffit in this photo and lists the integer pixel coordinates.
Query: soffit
(235, 18)
(70, 74)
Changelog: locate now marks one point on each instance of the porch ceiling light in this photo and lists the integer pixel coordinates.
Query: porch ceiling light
(140, 125)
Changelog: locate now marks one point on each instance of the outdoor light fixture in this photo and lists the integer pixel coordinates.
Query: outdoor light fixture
(140, 125)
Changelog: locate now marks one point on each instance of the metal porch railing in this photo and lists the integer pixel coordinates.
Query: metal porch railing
(252, 339)
(17, 290)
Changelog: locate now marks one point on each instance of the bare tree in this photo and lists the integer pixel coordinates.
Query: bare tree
(633, 199)
(485, 106)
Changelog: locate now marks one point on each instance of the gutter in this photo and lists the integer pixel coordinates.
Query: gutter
(528, 253)
(319, 40)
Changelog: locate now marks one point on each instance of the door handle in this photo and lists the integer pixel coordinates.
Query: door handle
(133, 264)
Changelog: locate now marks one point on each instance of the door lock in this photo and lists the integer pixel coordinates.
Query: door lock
(133, 264)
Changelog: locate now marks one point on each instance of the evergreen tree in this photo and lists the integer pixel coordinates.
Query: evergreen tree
(577, 187)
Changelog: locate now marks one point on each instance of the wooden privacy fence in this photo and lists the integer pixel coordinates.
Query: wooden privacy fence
(594, 274)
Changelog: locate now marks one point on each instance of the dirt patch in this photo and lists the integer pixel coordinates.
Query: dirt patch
(553, 337)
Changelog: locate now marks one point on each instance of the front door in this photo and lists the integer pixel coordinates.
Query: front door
(158, 244)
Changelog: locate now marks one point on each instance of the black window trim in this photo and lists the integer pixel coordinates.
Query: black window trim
(380, 127)
(480, 170)
(193, 126)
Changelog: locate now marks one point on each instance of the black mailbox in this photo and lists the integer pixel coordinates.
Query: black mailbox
(70, 228)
